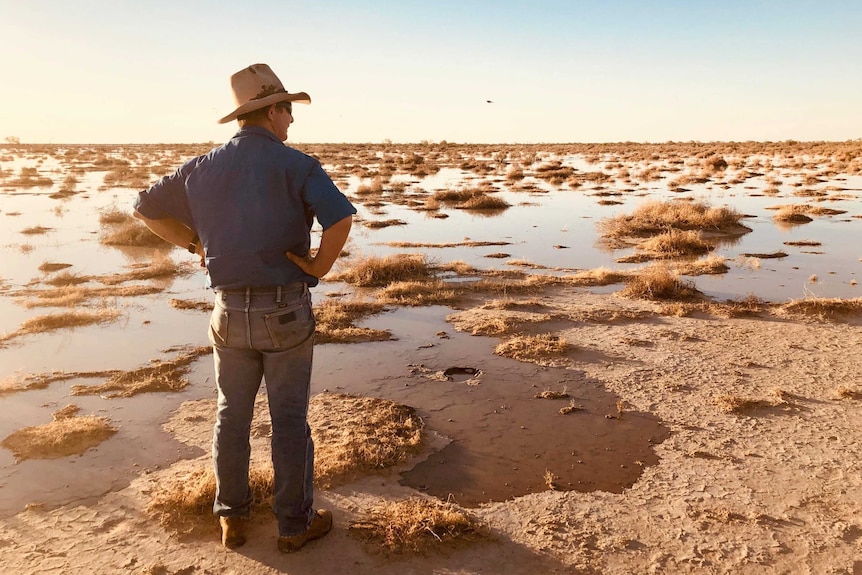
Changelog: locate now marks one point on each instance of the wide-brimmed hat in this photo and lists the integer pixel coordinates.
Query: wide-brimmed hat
(257, 87)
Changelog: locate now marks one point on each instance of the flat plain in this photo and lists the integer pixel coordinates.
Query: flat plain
(588, 358)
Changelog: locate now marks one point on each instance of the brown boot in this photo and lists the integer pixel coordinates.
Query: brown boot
(232, 531)
(320, 526)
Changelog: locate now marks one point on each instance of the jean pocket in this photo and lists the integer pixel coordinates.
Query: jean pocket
(290, 326)
(218, 331)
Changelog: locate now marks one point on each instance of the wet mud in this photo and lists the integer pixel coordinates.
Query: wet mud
(505, 442)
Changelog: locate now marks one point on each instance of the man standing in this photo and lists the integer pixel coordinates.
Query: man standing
(246, 208)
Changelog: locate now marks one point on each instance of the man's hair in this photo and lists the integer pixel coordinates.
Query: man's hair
(254, 117)
(258, 116)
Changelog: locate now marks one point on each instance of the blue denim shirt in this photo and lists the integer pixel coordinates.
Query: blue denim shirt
(250, 201)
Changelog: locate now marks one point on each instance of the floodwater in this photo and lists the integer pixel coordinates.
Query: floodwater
(503, 441)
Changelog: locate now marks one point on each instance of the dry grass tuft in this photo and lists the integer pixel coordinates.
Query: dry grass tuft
(122, 229)
(184, 503)
(534, 348)
(376, 224)
(189, 304)
(380, 271)
(160, 376)
(417, 293)
(67, 279)
(832, 309)
(597, 277)
(53, 267)
(418, 525)
(658, 283)
(552, 394)
(656, 217)
(736, 405)
(160, 267)
(368, 434)
(70, 410)
(470, 199)
(848, 393)
(65, 320)
(35, 230)
(711, 265)
(62, 437)
(676, 243)
(571, 408)
(336, 320)
(73, 296)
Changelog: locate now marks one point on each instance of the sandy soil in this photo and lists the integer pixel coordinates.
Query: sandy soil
(772, 489)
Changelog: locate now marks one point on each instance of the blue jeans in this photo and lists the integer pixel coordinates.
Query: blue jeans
(264, 333)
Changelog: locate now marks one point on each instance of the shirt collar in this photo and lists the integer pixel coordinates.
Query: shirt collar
(249, 130)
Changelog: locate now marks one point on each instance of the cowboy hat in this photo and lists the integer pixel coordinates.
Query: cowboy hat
(257, 87)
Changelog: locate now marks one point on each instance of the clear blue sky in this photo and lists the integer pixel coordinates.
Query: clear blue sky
(122, 71)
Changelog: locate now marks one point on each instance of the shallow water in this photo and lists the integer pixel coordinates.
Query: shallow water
(496, 426)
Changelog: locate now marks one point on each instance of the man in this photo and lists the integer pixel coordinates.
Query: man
(246, 208)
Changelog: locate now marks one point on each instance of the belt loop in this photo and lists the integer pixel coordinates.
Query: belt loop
(278, 294)
(247, 296)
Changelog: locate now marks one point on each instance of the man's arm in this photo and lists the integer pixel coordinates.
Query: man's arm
(172, 231)
(333, 239)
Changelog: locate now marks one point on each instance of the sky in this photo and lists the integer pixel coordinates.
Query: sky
(139, 71)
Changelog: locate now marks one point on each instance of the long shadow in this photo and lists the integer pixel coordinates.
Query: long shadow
(340, 552)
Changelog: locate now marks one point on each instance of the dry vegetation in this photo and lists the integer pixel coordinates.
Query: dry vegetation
(655, 217)
(369, 434)
(418, 525)
(381, 271)
(353, 435)
(65, 320)
(831, 309)
(66, 435)
(658, 282)
(119, 228)
(162, 375)
(534, 348)
(336, 319)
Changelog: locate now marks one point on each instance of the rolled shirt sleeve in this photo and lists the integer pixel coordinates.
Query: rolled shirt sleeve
(167, 198)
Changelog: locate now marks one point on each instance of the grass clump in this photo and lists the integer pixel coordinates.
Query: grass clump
(418, 525)
(184, 503)
(70, 296)
(534, 348)
(675, 243)
(335, 322)
(792, 214)
(418, 293)
(65, 320)
(597, 277)
(66, 435)
(712, 265)
(160, 376)
(657, 217)
(832, 309)
(122, 229)
(736, 405)
(657, 282)
(368, 434)
(470, 199)
(376, 271)
(161, 266)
